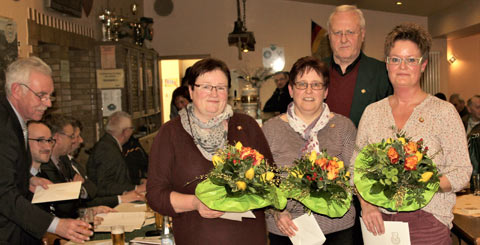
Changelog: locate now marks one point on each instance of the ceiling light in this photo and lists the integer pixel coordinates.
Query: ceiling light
(240, 37)
(398, 3)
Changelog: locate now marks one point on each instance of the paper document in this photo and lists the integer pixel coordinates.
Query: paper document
(130, 220)
(396, 233)
(237, 216)
(146, 240)
(131, 207)
(309, 233)
(57, 192)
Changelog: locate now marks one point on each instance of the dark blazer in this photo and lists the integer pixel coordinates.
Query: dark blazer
(20, 221)
(279, 100)
(372, 85)
(88, 185)
(106, 167)
(62, 209)
(91, 187)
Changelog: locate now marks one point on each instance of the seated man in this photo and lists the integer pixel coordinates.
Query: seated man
(281, 97)
(106, 165)
(94, 200)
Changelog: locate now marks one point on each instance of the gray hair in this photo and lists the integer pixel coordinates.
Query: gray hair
(19, 71)
(115, 122)
(470, 102)
(347, 8)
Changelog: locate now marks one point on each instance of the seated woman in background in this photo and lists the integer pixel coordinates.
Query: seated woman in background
(420, 116)
(183, 150)
(309, 125)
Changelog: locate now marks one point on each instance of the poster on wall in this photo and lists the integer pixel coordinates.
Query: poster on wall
(111, 101)
(8, 44)
(171, 82)
(110, 78)
(107, 57)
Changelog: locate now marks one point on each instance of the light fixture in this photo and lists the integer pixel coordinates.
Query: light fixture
(240, 37)
(399, 3)
(452, 59)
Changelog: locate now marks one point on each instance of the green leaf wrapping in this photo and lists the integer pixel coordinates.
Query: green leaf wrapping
(215, 197)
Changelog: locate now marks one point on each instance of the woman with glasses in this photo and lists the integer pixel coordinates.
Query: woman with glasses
(420, 116)
(182, 152)
(309, 125)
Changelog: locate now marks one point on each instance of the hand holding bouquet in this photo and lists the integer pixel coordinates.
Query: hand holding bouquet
(240, 181)
(396, 174)
(320, 182)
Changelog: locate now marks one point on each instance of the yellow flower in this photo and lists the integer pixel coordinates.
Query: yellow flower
(296, 174)
(239, 146)
(347, 174)
(268, 176)
(401, 139)
(250, 173)
(331, 175)
(340, 164)
(335, 159)
(216, 160)
(426, 176)
(419, 156)
(312, 157)
(389, 140)
(241, 185)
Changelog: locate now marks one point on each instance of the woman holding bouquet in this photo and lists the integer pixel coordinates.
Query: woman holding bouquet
(309, 125)
(420, 116)
(183, 150)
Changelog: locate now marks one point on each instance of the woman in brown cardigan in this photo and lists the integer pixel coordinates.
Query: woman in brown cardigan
(182, 151)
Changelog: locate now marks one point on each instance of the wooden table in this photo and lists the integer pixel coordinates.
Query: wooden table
(466, 221)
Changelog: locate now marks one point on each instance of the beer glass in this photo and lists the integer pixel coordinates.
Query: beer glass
(118, 235)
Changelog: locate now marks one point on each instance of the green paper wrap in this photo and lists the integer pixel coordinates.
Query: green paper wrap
(215, 197)
(364, 185)
(319, 205)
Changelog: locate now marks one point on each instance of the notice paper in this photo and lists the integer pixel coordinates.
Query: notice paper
(309, 233)
(130, 220)
(396, 233)
(57, 192)
(237, 216)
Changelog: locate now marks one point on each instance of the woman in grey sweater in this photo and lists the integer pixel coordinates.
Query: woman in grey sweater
(309, 125)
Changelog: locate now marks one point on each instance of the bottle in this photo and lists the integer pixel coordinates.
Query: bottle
(167, 235)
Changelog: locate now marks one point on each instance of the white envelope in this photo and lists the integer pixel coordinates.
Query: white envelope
(238, 216)
(309, 232)
(130, 220)
(396, 233)
(57, 192)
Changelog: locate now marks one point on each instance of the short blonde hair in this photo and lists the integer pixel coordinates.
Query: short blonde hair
(347, 8)
(19, 71)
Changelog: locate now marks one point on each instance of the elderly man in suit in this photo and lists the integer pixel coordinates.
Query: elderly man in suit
(356, 80)
(28, 89)
(106, 165)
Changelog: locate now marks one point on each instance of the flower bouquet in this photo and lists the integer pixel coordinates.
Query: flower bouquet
(396, 174)
(320, 182)
(240, 181)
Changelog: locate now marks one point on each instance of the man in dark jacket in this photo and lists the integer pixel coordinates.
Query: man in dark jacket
(356, 80)
(106, 165)
(281, 97)
(28, 88)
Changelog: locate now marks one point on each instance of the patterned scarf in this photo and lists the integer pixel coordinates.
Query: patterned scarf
(209, 136)
(308, 132)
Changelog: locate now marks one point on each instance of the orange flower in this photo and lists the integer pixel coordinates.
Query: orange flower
(333, 166)
(392, 155)
(411, 163)
(322, 162)
(411, 148)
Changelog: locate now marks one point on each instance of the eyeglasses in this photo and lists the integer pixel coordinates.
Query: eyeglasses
(50, 141)
(42, 96)
(132, 128)
(411, 61)
(209, 88)
(347, 33)
(314, 86)
(69, 136)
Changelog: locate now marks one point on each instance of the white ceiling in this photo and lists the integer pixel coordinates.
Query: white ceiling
(413, 7)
